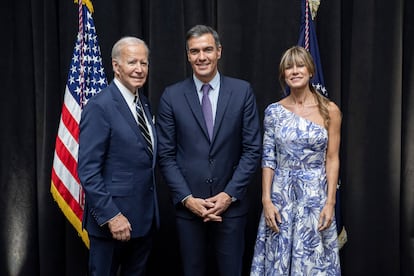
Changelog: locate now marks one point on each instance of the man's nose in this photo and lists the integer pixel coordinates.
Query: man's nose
(202, 55)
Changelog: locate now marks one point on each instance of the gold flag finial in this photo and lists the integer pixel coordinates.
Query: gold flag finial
(314, 5)
(88, 4)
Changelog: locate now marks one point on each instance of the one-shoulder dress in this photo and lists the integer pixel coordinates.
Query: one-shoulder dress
(296, 149)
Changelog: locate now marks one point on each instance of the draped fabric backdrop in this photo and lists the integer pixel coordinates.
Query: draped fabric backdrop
(367, 52)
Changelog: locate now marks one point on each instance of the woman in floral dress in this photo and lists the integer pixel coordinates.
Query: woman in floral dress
(300, 166)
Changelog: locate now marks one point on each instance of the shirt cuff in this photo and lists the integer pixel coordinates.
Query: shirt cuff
(185, 198)
(110, 219)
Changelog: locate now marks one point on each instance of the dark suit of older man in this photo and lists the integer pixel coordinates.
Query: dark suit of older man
(116, 168)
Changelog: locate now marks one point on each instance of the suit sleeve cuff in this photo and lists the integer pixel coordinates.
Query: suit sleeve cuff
(185, 198)
(110, 219)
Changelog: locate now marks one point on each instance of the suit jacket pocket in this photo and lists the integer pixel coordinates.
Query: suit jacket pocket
(122, 184)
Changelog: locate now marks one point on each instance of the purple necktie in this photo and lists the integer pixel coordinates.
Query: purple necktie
(207, 110)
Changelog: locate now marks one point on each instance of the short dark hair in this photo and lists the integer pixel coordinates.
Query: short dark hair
(199, 30)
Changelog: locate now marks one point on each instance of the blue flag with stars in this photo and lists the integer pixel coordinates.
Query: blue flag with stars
(309, 41)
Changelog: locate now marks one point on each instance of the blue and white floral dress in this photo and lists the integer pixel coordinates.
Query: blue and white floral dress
(296, 149)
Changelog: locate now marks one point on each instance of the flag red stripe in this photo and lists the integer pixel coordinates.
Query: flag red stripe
(70, 123)
(66, 195)
(67, 158)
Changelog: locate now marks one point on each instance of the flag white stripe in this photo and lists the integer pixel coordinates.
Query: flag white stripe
(66, 177)
(72, 105)
(68, 140)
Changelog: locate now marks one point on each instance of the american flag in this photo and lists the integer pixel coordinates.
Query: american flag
(309, 41)
(85, 79)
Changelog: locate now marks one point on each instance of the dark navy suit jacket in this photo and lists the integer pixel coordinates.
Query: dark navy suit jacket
(114, 165)
(190, 163)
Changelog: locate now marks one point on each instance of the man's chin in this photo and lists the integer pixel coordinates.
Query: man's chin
(139, 84)
(204, 73)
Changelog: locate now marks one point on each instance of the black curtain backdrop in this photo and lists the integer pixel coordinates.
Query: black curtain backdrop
(367, 52)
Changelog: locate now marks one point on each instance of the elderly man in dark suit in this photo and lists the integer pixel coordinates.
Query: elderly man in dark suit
(209, 149)
(117, 149)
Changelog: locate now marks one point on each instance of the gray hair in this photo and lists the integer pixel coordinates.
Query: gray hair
(126, 40)
(199, 30)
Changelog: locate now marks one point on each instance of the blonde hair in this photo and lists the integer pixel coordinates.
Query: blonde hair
(299, 55)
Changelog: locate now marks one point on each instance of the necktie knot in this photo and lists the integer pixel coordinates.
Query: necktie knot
(136, 101)
(206, 88)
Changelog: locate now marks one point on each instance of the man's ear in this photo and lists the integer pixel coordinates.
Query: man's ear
(219, 49)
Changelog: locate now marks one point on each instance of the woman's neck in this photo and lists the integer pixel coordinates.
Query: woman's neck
(301, 97)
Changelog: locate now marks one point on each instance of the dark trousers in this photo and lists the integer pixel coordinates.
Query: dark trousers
(212, 248)
(109, 257)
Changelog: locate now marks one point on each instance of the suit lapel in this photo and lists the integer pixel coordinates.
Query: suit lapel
(222, 103)
(123, 108)
(195, 106)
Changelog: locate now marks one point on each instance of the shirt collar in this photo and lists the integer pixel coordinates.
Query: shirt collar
(128, 96)
(214, 82)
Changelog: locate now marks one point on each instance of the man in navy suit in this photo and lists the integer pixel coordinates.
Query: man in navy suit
(208, 171)
(116, 167)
